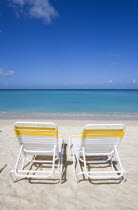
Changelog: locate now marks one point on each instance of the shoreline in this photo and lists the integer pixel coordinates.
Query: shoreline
(70, 116)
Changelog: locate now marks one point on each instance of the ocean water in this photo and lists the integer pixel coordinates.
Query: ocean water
(69, 101)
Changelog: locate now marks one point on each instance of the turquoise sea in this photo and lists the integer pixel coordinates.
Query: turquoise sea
(69, 101)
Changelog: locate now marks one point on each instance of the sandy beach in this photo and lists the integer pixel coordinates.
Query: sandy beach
(44, 194)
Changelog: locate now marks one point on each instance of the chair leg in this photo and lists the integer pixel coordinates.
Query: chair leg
(61, 174)
(11, 175)
(125, 177)
(74, 168)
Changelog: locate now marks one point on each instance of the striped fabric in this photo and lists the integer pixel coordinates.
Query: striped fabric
(95, 133)
(36, 131)
(101, 140)
(37, 137)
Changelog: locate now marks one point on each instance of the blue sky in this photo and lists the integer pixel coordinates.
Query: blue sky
(68, 44)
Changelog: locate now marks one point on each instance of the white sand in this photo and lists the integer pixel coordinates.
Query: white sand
(69, 195)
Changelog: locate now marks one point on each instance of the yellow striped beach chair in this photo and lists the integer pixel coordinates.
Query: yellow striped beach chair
(39, 144)
(97, 144)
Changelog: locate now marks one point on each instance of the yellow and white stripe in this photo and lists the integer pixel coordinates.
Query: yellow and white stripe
(36, 131)
(95, 133)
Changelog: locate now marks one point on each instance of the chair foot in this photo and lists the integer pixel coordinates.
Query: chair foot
(76, 178)
(61, 178)
(124, 178)
(16, 178)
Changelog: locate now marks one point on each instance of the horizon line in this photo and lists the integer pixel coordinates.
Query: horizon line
(68, 88)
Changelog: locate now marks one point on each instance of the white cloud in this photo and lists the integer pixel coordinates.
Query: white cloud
(110, 81)
(20, 2)
(6, 72)
(134, 81)
(40, 9)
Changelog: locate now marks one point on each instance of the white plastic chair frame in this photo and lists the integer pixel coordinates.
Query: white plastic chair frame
(111, 156)
(56, 153)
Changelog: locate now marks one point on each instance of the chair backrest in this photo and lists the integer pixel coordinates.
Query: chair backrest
(101, 138)
(36, 136)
